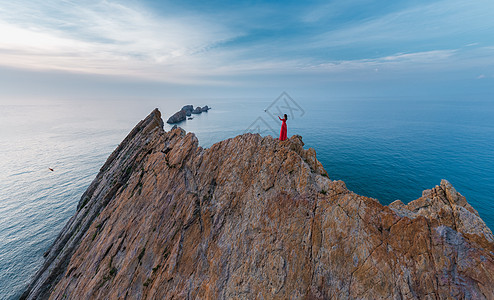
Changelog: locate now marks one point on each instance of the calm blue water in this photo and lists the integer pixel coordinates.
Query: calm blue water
(386, 148)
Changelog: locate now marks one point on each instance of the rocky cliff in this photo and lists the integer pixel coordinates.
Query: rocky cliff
(256, 218)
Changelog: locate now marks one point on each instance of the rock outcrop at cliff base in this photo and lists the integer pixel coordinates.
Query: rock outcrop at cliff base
(255, 218)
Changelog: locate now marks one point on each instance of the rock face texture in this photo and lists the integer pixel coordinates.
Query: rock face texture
(177, 117)
(188, 109)
(256, 218)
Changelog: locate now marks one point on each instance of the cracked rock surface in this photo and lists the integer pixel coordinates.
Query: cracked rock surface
(256, 218)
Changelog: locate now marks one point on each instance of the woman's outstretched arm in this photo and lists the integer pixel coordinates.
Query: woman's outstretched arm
(280, 118)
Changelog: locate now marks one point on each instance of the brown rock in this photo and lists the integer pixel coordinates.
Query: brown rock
(255, 218)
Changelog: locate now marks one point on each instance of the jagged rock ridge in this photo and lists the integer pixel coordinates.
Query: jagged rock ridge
(256, 218)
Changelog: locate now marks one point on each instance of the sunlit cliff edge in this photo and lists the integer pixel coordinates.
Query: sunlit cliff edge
(255, 218)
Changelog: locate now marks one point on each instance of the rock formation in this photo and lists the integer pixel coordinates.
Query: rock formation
(185, 112)
(255, 218)
(188, 110)
(179, 116)
(197, 110)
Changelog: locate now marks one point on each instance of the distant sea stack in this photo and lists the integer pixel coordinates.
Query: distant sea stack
(255, 218)
(188, 109)
(185, 112)
(197, 110)
(177, 117)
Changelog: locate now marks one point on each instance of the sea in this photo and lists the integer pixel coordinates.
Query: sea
(387, 148)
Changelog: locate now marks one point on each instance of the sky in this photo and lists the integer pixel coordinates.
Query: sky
(62, 49)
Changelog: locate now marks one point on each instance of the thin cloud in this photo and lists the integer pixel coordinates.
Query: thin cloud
(180, 46)
(400, 61)
(439, 20)
(108, 38)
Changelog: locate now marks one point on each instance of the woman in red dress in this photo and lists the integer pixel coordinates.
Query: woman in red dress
(283, 127)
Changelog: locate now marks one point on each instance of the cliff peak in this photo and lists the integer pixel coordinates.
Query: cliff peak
(253, 217)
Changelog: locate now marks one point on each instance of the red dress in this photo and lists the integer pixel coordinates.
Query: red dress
(283, 129)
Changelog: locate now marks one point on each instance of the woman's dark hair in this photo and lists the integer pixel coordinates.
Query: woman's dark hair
(286, 118)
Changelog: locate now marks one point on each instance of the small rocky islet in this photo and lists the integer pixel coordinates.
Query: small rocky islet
(185, 112)
(255, 218)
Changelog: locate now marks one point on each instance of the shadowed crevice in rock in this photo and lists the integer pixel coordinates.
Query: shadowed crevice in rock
(253, 217)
